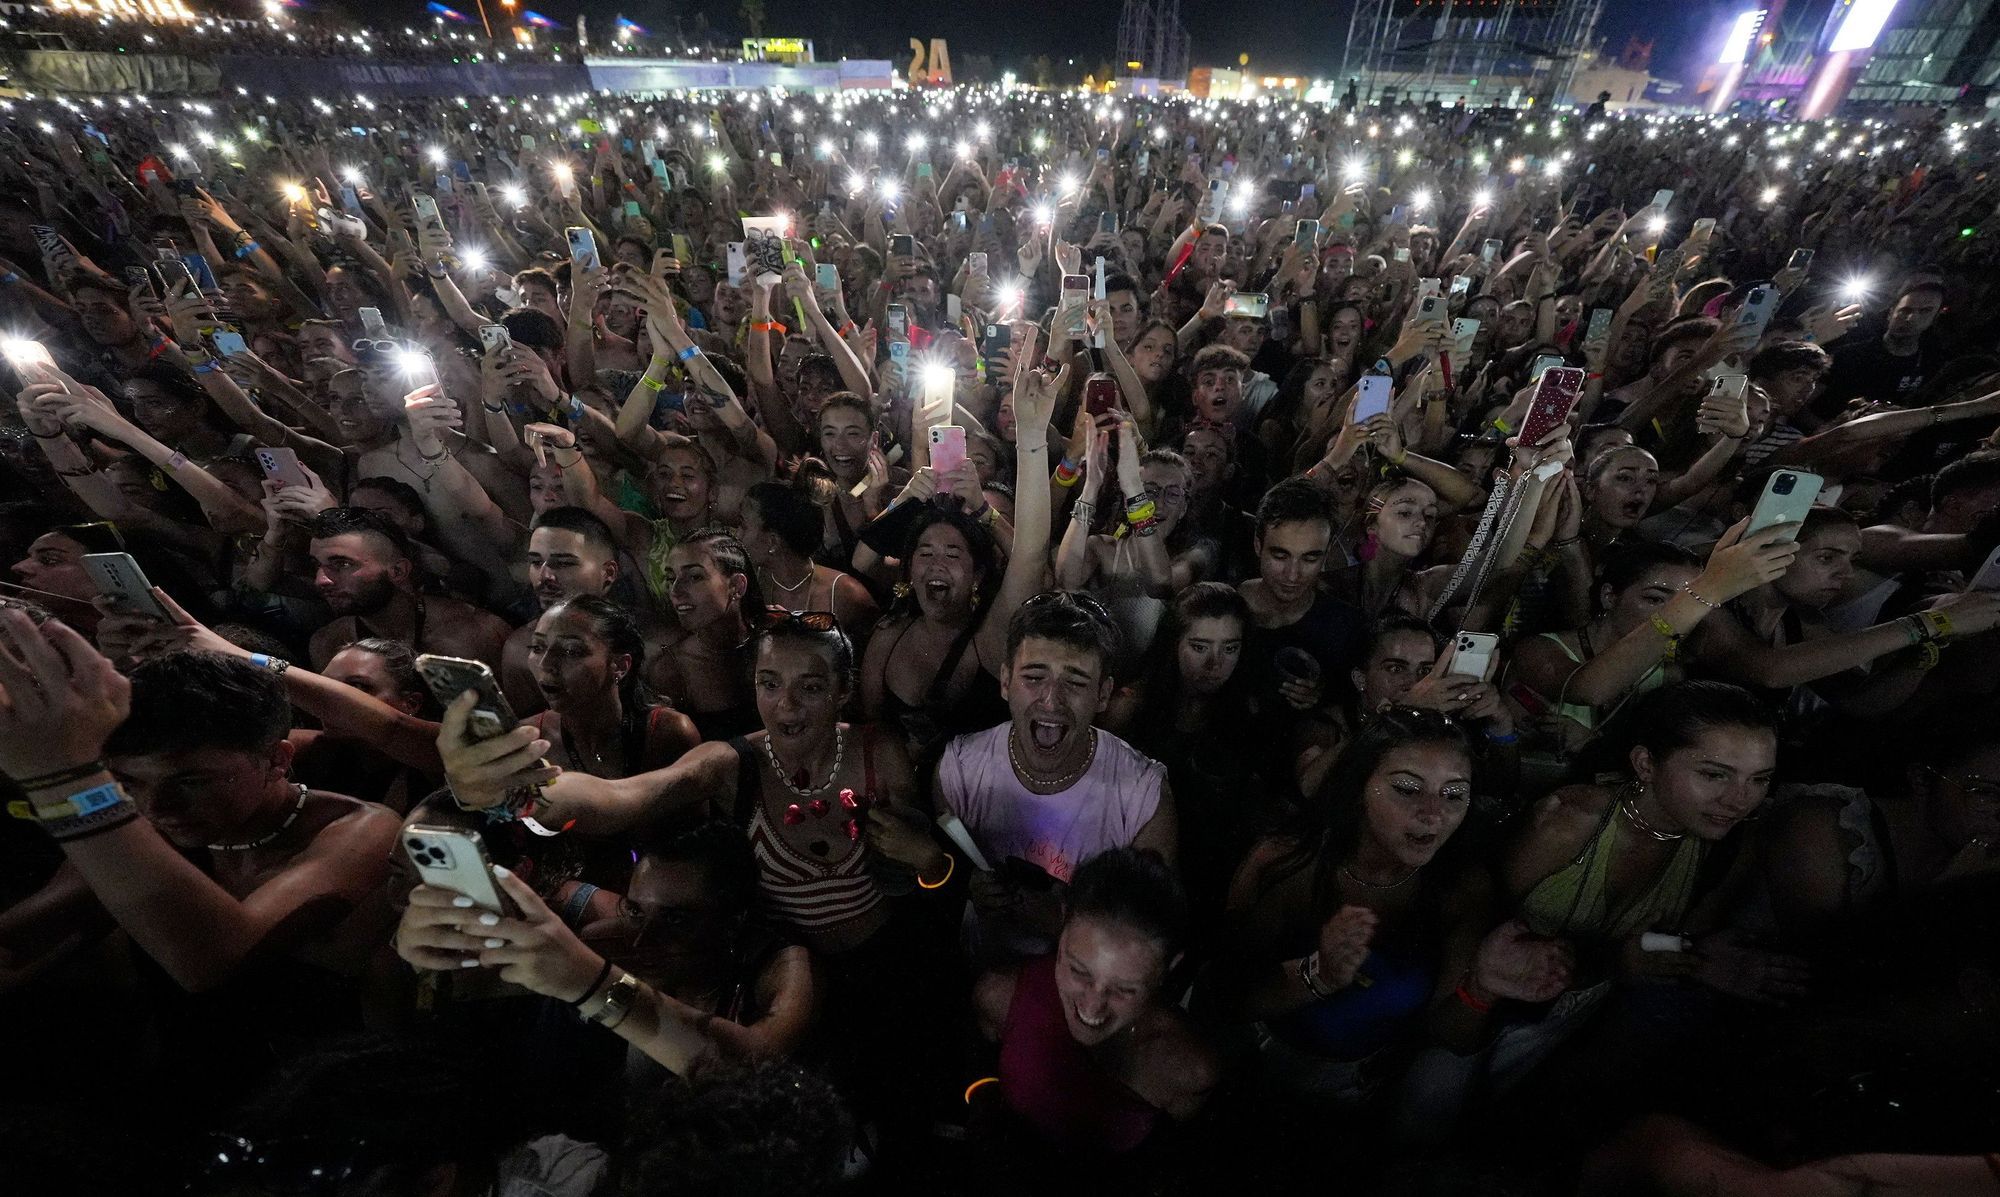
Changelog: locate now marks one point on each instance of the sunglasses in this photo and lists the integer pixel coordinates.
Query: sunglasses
(812, 621)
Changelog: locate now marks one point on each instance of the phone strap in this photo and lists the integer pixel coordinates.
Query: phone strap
(1475, 550)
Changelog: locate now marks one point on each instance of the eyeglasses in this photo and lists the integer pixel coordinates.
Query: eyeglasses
(371, 345)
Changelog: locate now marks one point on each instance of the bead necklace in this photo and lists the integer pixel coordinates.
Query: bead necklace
(800, 788)
(1056, 783)
(261, 840)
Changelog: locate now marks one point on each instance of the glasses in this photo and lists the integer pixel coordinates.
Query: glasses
(370, 345)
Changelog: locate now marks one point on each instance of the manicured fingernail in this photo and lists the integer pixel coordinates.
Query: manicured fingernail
(489, 920)
(502, 871)
(496, 943)
(462, 902)
(468, 963)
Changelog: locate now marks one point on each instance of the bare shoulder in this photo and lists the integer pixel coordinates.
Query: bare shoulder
(1177, 1068)
(1562, 824)
(992, 997)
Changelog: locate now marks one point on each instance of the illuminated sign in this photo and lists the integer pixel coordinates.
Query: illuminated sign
(1865, 19)
(1737, 46)
(769, 46)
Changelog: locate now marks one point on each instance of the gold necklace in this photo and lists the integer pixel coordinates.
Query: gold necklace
(1629, 807)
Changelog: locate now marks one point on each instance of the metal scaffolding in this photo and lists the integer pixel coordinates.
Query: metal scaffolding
(1150, 33)
(1405, 44)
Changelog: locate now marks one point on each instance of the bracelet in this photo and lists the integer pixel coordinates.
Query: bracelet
(48, 436)
(276, 665)
(843, 331)
(1508, 738)
(442, 453)
(1067, 472)
(595, 982)
(1936, 625)
(563, 465)
(205, 367)
(495, 408)
(1688, 589)
(58, 777)
(1469, 999)
(655, 385)
(1083, 512)
(950, 867)
(688, 353)
(1913, 628)
(1309, 976)
(81, 472)
(248, 248)
(617, 1001)
(769, 326)
(1140, 510)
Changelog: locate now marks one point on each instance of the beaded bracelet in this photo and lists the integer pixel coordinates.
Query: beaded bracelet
(1688, 589)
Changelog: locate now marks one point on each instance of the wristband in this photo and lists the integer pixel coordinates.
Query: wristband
(652, 384)
(769, 326)
(688, 354)
(159, 347)
(247, 248)
(60, 777)
(563, 465)
(1309, 976)
(1067, 473)
(843, 331)
(1083, 512)
(205, 367)
(9, 279)
(175, 462)
(276, 665)
(47, 436)
(495, 408)
(599, 980)
(1593, 376)
(1936, 625)
(950, 867)
(1471, 1000)
(1508, 738)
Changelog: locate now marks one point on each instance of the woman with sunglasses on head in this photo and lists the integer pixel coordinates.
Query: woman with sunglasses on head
(1358, 934)
(715, 598)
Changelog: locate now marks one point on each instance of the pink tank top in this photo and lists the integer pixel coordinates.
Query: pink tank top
(1049, 1079)
(1105, 809)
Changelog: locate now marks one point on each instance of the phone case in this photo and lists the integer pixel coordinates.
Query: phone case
(119, 578)
(282, 467)
(1788, 495)
(1464, 331)
(1555, 395)
(449, 858)
(449, 677)
(1474, 654)
(493, 337)
(947, 448)
(1988, 577)
(582, 247)
(1373, 397)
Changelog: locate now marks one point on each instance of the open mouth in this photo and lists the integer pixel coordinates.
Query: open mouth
(1635, 509)
(937, 590)
(674, 496)
(683, 608)
(1047, 734)
(787, 730)
(1424, 841)
(1086, 1020)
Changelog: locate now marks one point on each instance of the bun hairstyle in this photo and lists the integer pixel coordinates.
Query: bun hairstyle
(796, 509)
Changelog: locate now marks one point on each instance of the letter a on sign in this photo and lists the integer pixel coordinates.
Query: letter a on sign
(940, 63)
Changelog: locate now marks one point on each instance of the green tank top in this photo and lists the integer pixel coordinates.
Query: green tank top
(1572, 901)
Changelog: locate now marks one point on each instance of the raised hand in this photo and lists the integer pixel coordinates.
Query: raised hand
(60, 699)
(1343, 945)
(1515, 963)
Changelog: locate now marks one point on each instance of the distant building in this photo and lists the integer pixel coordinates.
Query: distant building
(1933, 52)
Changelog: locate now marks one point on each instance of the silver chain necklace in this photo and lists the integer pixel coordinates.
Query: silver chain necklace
(261, 840)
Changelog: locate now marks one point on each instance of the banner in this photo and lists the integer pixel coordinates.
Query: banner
(342, 77)
(94, 73)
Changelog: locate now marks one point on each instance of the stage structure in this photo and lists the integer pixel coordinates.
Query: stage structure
(1467, 49)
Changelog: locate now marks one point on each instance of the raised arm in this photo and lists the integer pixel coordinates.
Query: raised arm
(1027, 565)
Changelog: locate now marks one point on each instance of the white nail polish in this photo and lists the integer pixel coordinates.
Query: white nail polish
(496, 943)
(468, 963)
(489, 920)
(502, 871)
(462, 902)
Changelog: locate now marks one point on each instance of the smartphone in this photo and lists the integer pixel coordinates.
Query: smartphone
(975, 263)
(683, 251)
(1663, 197)
(1402, 253)
(1075, 299)
(350, 199)
(737, 260)
(1307, 234)
(1473, 655)
(1463, 331)
(1254, 304)
(1100, 394)
(493, 338)
(826, 276)
(923, 170)
(998, 339)
(1399, 214)
(372, 323)
(1788, 495)
(1490, 251)
(418, 369)
(903, 245)
(1598, 331)
(1703, 227)
(947, 448)
(455, 859)
(282, 467)
(22, 353)
(449, 677)
(582, 248)
(899, 322)
(1988, 577)
(1431, 308)
(1430, 286)
(1801, 259)
(427, 209)
(228, 342)
(953, 308)
(1371, 398)
(1758, 308)
(1461, 286)
(631, 209)
(1555, 394)
(1729, 386)
(119, 578)
(1107, 222)
(1542, 364)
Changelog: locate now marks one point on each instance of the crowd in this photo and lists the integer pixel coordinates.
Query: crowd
(292, 35)
(969, 642)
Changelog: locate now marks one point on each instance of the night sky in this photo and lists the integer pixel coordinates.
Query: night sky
(1305, 38)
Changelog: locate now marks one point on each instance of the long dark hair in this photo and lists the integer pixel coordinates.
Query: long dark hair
(1326, 830)
(978, 540)
(620, 633)
(1162, 690)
